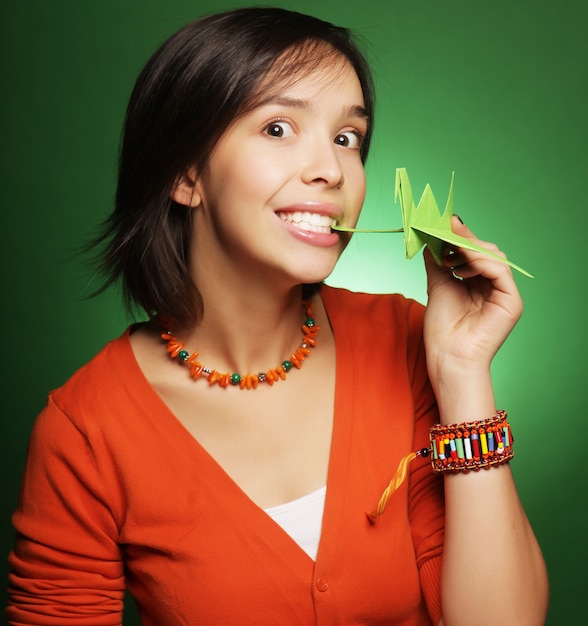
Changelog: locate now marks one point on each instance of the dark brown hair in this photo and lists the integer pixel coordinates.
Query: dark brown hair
(195, 85)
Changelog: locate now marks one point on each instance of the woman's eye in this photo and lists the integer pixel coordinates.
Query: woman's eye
(350, 139)
(279, 129)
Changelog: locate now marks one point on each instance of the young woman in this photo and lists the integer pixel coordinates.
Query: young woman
(218, 461)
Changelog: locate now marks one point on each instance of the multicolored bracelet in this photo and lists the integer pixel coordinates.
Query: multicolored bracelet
(457, 448)
(471, 445)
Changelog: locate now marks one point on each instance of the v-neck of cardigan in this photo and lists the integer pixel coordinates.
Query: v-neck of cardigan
(337, 475)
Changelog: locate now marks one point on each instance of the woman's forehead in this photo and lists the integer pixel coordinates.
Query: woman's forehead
(321, 63)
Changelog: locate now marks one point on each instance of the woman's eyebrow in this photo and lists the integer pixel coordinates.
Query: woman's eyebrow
(354, 110)
(357, 111)
(292, 103)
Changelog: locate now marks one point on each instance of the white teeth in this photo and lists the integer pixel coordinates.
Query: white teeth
(313, 222)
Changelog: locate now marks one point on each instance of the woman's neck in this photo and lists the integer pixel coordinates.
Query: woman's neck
(246, 331)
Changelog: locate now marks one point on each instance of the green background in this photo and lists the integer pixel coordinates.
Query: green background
(496, 91)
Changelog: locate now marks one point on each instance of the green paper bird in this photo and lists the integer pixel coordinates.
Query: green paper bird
(424, 225)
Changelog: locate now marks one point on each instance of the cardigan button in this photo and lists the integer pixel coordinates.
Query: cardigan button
(322, 584)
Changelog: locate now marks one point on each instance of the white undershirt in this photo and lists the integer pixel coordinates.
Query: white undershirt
(302, 519)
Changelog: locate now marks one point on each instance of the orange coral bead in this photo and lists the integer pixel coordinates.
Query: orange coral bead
(213, 377)
(224, 380)
(300, 355)
(295, 362)
(192, 358)
(196, 369)
(310, 330)
(174, 348)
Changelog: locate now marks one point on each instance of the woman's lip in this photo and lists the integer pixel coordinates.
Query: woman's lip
(321, 208)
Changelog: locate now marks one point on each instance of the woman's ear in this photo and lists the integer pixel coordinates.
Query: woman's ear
(187, 190)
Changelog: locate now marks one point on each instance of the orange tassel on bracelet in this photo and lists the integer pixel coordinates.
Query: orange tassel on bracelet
(457, 448)
(397, 480)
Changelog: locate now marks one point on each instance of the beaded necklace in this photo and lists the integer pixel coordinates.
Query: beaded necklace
(246, 381)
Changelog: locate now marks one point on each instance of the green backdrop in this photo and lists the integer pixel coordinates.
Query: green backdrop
(496, 91)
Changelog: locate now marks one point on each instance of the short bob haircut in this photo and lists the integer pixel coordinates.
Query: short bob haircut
(196, 84)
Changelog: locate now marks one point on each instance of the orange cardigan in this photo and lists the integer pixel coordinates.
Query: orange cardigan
(116, 492)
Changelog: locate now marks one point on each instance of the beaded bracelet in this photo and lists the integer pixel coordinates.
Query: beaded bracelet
(457, 448)
(471, 445)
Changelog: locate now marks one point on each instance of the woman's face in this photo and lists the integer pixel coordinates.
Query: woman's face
(277, 180)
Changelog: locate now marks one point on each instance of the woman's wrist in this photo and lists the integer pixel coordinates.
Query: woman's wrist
(463, 393)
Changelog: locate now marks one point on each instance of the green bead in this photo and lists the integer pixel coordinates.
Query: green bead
(183, 355)
(309, 322)
(235, 379)
(287, 365)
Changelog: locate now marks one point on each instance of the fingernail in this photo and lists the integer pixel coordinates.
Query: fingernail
(459, 218)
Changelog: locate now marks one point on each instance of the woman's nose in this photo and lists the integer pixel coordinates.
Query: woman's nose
(322, 164)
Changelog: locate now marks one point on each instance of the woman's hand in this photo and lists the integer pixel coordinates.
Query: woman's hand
(466, 322)
(473, 305)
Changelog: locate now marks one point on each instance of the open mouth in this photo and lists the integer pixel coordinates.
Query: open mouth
(311, 222)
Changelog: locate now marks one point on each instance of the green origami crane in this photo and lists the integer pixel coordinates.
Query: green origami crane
(425, 226)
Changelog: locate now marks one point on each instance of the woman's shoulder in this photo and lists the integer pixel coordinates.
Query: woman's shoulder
(107, 378)
(372, 306)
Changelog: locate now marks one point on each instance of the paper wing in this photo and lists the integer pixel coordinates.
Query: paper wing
(437, 239)
(424, 225)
